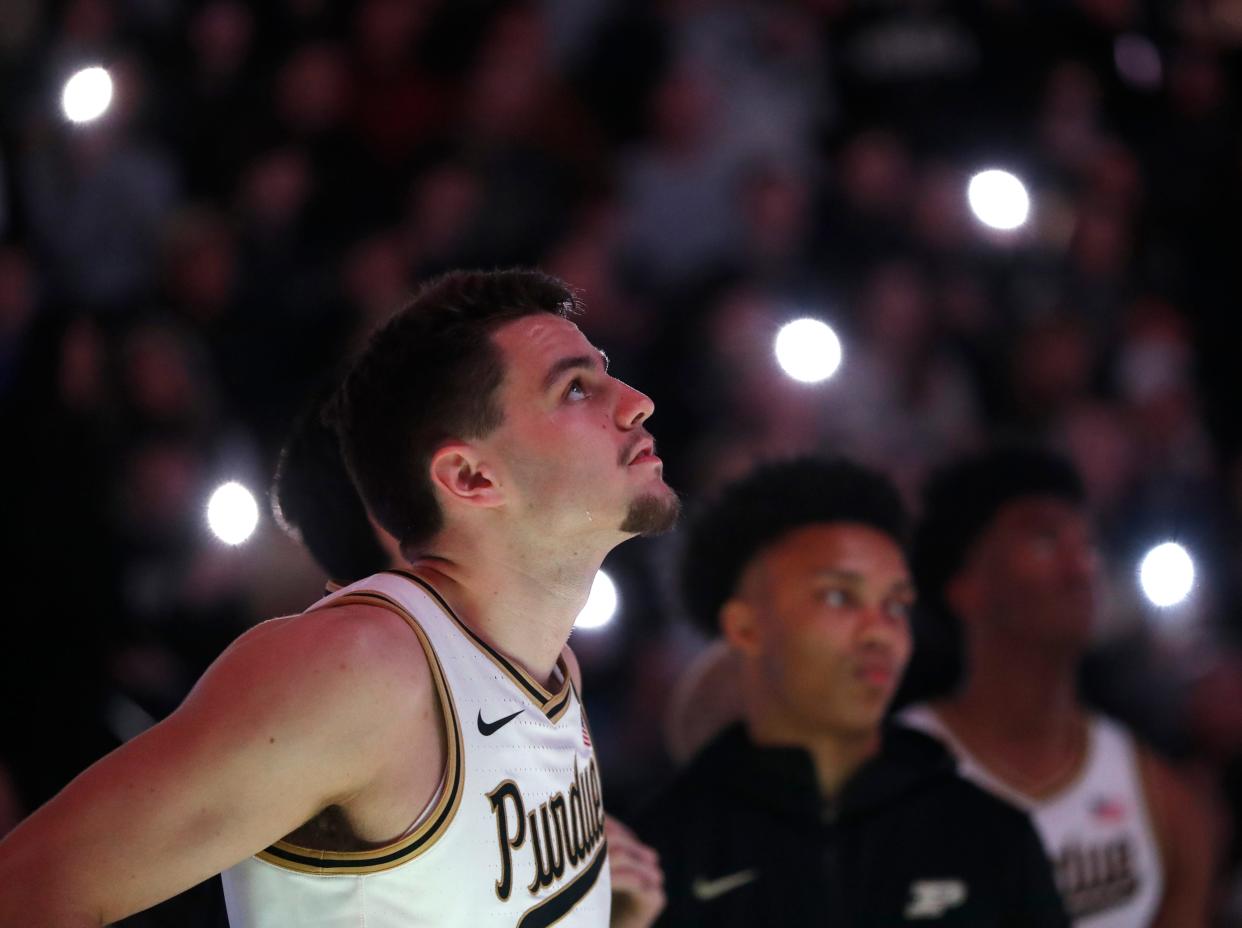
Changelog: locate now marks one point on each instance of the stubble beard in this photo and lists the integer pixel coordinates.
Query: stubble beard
(650, 514)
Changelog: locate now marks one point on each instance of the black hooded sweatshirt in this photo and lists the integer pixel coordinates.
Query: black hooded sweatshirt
(745, 839)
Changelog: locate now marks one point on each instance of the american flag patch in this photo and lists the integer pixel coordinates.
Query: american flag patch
(1107, 809)
(586, 736)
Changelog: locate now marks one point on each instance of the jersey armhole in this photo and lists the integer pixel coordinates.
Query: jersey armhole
(431, 823)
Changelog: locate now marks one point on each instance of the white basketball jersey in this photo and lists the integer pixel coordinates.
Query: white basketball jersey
(515, 836)
(1097, 830)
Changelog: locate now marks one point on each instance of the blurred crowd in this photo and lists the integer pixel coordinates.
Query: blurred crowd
(180, 277)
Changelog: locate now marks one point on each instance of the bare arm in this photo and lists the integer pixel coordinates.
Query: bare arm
(281, 726)
(704, 702)
(1188, 845)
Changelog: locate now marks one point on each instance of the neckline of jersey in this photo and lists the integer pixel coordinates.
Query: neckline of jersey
(1053, 789)
(548, 702)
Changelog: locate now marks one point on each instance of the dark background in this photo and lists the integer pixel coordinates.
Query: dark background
(178, 278)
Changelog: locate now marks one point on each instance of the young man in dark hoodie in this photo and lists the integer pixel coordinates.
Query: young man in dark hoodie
(810, 811)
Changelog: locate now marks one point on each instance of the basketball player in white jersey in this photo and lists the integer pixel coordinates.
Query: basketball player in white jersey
(315, 501)
(411, 751)
(1004, 551)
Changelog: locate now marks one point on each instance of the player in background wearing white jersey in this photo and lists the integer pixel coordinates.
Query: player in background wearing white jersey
(488, 436)
(1004, 552)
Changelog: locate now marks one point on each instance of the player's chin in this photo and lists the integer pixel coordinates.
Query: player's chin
(866, 707)
(652, 513)
(847, 719)
(864, 721)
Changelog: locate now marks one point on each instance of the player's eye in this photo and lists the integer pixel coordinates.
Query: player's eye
(899, 609)
(576, 390)
(1043, 542)
(835, 599)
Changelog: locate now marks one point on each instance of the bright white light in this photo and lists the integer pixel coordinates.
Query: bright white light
(87, 95)
(998, 199)
(601, 605)
(232, 513)
(1167, 574)
(808, 350)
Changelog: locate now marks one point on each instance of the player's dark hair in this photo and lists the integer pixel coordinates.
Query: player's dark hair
(962, 498)
(315, 501)
(959, 502)
(761, 508)
(427, 376)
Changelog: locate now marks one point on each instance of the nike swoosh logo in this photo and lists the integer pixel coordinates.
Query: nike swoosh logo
(706, 890)
(490, 728)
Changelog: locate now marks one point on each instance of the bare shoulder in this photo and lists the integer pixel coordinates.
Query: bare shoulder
(359, 639)
(1175, 804)
(354, 660)
(297, 715)
(705, 700)
(1189, 836)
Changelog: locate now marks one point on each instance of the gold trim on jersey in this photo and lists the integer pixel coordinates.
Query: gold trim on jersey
(551, 910)
(557, 711)
(552, 705)
(289, 856)
(586, 723)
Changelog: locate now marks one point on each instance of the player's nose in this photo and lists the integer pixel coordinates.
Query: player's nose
(634, 407)
(1081, 558)
(877, 625)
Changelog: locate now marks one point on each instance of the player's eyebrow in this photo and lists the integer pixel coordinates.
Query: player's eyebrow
(829, 573)
(576, 362)
(854, 578)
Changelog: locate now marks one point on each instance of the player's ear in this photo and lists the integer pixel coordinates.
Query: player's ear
(739, 625)
(459, 471)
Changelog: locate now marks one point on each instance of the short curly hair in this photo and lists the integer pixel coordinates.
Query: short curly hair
(959, 502)
(761, 508)
(962, 498)
(427, 376)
